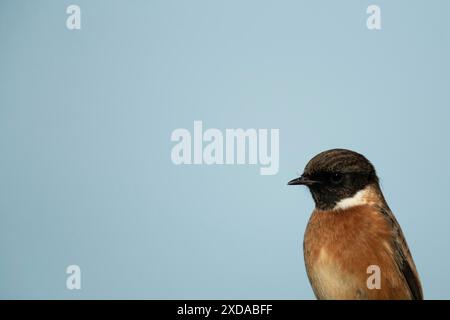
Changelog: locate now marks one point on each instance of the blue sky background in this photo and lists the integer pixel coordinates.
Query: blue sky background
(86, 116)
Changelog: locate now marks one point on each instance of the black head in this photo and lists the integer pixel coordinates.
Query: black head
(336, 174)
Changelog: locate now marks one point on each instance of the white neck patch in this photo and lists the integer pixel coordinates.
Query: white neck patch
(358, 199)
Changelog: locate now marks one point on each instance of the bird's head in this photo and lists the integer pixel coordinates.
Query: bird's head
(338, 178)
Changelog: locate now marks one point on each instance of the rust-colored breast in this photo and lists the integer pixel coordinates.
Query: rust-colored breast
(340, 245)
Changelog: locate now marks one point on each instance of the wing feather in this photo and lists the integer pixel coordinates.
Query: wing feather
(403, 257)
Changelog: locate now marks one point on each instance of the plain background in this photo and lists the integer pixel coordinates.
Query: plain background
(86, 116)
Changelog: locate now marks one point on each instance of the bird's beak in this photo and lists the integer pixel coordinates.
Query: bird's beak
(302, 180)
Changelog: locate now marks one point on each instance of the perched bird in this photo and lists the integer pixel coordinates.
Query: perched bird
(351, 229)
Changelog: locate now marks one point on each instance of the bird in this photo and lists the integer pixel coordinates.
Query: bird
(351, 229)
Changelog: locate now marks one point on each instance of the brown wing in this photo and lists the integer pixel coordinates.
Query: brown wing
(403, 257)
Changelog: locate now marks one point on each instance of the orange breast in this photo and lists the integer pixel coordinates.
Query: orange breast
(339, 246)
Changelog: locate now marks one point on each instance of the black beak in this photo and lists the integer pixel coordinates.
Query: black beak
(303, 181)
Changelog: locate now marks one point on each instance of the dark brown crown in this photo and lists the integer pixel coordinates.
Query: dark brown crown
(339, 160)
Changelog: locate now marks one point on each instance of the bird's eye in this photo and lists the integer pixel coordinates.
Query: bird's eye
(336, 178)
